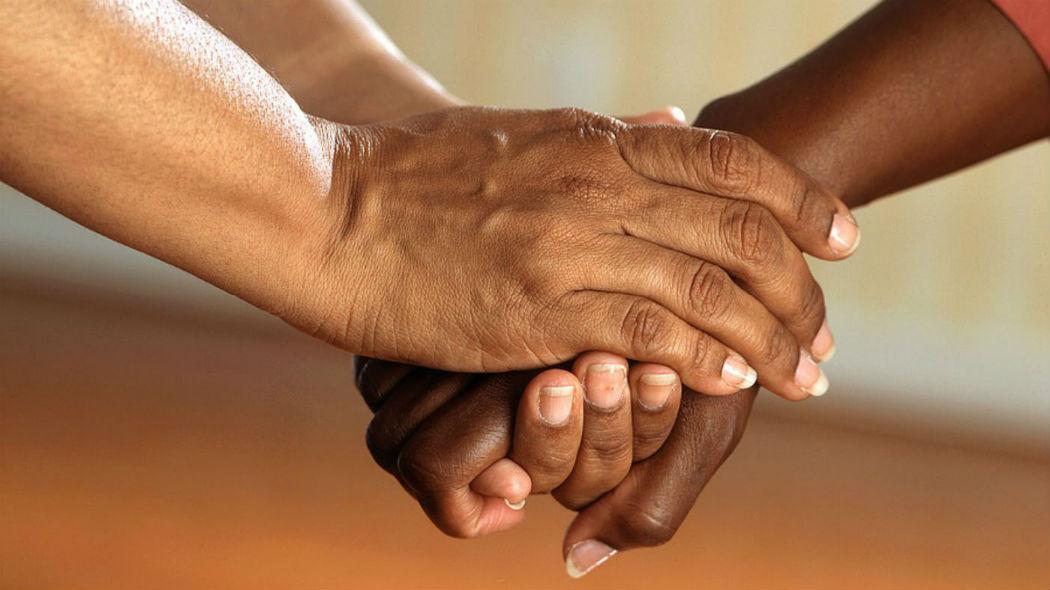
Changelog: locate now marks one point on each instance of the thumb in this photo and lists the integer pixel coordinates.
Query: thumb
(669, 115)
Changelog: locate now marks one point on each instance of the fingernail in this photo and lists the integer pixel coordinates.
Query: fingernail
(556, 404)
(737, 373)
(655, 388)
(845, 235)
(605, 384)
(585, 556)
(514, 505)
(677, 113)
(823, 346)
(809, 377)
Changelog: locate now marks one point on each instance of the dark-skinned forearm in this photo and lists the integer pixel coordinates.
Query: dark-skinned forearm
(909, 92)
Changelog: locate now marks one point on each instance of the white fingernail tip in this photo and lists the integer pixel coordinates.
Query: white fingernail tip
(659, 378)
(738, 373)
(820, 387)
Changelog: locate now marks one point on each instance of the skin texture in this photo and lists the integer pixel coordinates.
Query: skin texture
(543, 260)
(501, 237)
(969, 64)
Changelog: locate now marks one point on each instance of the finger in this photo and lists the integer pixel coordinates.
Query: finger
(734, 166)
(376, 378)
(453, 447)
(744, 239)
(548, 428)
(506, 480)
(708, 299)
(407, 406)
(656, 394)
(669, 115)
(648, 507)
(641, 329)
(604, 456)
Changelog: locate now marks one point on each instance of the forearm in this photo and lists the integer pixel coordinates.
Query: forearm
(329, 55)
(909, 92)
(140, 121)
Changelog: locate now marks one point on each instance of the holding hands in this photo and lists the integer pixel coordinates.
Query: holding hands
(600, 435)
(571, 282)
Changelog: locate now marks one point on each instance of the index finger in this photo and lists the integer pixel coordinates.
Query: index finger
(648, 506)
(734, 166)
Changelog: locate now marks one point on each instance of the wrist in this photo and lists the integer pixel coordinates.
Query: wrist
(797, 139)
(324, 253)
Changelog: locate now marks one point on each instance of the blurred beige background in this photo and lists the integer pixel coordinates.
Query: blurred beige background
(155, 429)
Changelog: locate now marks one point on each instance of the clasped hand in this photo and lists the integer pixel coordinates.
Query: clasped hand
(715, 292)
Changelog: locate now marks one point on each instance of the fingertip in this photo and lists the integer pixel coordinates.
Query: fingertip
(552, 396)
(737, 373)
(654, 385)
(668, 115)
(677, 115)
(844, 236)
(585, 556)
(705, 385)
(579, 367)
(497, 516)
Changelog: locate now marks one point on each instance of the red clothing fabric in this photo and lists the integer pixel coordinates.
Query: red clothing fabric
(1032, 18)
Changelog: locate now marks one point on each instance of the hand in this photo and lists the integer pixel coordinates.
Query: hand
(550, 425)
(453, 448)
(579, 226)
(455, 464)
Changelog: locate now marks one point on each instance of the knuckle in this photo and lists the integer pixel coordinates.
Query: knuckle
(588, 125)
(361, 374)
(379, 445)
(780, 347)
(648, 526)
(750, 231)
(650, 436)
(607, 449)
(813, 307)
(710, 291)
(809, 207)
(644, 328)
(733, 167)
(418, 470)
(547, 468)
(572, 115)
(543, 279)
(703, 348)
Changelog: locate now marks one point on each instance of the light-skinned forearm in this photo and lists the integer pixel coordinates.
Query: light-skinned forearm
(140, 121)
(330, 55)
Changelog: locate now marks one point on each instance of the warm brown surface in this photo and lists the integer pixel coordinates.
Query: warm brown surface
(146, 450)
